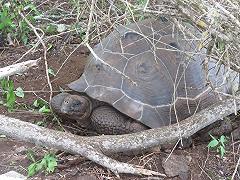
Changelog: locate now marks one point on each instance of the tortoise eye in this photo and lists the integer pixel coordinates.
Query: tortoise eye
(66, 101)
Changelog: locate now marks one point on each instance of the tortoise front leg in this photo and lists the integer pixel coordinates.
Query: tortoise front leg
(107, 120)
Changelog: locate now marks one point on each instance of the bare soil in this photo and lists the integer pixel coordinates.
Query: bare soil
(204, 164)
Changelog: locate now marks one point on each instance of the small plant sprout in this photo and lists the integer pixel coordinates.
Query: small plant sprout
(19, 92)
(9, 95)
(218, 144)
(42, 106)
(47, 164)
(51, 72)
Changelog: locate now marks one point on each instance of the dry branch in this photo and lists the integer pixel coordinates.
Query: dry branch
(17, 68)
(95, 148)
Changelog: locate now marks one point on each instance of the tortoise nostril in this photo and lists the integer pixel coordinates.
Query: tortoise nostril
(64, 111)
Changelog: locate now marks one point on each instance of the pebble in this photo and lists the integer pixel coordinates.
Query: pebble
(177, 165)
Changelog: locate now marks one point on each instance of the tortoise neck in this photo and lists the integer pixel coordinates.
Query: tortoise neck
(90, 109)
(97, 103)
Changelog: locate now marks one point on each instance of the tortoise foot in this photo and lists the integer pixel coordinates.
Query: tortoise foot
(107, 120)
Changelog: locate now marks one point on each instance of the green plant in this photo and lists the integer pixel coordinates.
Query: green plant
(6, 19)
(142, 3)
(221, 45)
(9, 95)
(42, 106)
(218, 144)
(47, 164)
(19, 92)
(11, 21)
(51, 72)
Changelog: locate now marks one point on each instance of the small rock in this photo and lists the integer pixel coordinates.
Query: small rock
(185, 143)
(177, 165)
(21, 150)
(12, 175)
(236, 134)
(87, 177)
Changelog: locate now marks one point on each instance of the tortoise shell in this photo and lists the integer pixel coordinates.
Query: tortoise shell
(151, 72)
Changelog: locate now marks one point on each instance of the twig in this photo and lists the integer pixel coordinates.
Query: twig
(26, 53)
(145, 6)
(236, 168)
(68, 58)
(89, 21)
(227, 13)
(44, 48)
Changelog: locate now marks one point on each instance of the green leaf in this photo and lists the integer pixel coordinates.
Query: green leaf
(32, 169)
(40, 123)
(41, 165)
(50, 46)
(1, 26)
(51, 29)
(142, 3)
(11, 98)
(4, 86)
(24, 38)
(212, 136)
(31, 155)
(48, 163)
(222, 151)
(44, 109)
(19, 92)
(51, 72)
(51, 166)
(7, 5)
(221, 45)
(51, 163)
(222, 140)
(61, 28)
(8, 93)
(213, 143)
(38, 103)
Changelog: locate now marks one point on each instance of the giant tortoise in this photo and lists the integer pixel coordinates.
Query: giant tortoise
(143, 75)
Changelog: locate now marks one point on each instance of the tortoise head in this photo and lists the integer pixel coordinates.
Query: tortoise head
(75, 107)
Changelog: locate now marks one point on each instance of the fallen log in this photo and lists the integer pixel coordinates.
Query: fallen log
(95, 148)
(17, 68)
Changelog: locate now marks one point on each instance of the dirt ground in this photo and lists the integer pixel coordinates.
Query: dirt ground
(202, 163)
